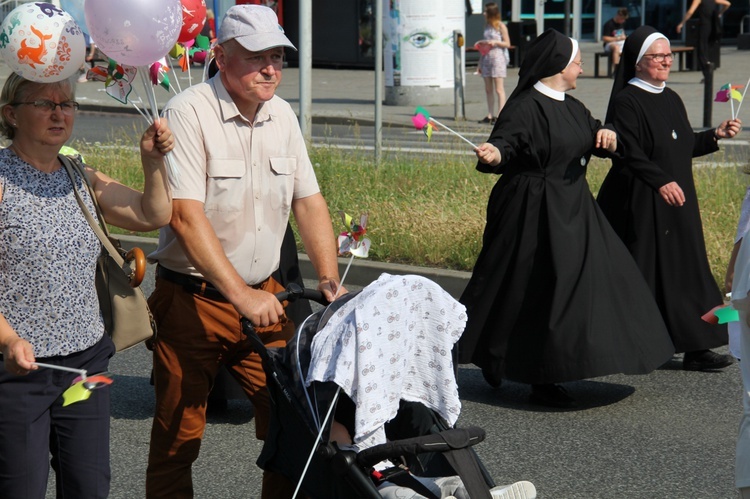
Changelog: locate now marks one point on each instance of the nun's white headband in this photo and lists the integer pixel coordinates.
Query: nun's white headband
(575, 51)
(648, 42)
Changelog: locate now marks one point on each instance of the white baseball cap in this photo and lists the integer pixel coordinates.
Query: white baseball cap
(255, 27)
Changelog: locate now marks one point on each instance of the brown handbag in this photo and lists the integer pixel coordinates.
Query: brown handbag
(127, 317)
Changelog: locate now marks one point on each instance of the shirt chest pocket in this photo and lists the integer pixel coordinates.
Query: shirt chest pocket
(225, 188)
(281, 190)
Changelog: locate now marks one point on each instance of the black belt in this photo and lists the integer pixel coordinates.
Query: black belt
(194, 285)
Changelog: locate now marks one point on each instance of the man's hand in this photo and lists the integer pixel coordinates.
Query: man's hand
(331, 289)
(261, 308)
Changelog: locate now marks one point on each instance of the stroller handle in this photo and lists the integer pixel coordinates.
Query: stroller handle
(294, 292)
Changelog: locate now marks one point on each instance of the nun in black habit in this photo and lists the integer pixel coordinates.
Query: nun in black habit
(554, 295)
(649, 196)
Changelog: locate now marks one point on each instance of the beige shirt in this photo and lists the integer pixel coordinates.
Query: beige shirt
(245, 174)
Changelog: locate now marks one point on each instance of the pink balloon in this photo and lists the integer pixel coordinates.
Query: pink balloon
(134, 32)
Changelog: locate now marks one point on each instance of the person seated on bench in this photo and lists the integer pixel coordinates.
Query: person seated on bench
(613, 36)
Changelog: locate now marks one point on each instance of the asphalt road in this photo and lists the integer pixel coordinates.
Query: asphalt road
(669, 434)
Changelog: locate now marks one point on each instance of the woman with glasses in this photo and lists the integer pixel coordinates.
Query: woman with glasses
(649, 196)
(49, 311)
(554, 296)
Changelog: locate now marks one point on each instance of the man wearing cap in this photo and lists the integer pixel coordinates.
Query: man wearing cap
(243, 167)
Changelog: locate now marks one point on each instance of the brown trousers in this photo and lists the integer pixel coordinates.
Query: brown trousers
(196, 337)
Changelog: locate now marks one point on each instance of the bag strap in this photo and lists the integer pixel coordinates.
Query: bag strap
(100, 229)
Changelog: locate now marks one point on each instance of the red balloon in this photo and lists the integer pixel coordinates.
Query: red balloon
(193, 19)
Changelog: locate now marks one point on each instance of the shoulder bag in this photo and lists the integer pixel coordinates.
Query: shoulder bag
(127, 317)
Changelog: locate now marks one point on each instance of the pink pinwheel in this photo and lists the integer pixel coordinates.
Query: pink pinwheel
(158, 73)
(423, 121)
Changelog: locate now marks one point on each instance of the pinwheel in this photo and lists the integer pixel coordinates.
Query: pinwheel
(82, 386)
(117, 79)
(423, 121)
(730, 93)
(159, 76)
(721, 314)
(353, 241)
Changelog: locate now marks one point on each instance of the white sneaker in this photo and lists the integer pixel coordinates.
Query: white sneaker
(518, 490)
(82, 78)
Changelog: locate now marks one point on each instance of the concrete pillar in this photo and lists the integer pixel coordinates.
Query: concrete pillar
(418, 55)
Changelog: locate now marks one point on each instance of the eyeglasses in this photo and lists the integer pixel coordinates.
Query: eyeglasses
(68, 107)
(580, 63)
(660, 57)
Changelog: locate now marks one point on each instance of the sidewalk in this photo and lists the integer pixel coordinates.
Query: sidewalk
(347, 95)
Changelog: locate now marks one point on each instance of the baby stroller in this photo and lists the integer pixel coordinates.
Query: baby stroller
(302, 413)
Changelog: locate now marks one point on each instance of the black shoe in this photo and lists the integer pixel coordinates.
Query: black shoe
(551, 396)
(705, 360)
(491, 379)
(487, 120)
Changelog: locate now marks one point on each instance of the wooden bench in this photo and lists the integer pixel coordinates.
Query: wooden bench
(598, 55)
(679, 52)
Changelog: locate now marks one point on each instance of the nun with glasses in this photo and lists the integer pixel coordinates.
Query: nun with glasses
(649, 196)
(554, 296)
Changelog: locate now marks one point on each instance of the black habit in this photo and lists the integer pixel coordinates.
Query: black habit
(554, 295)
(665, 241)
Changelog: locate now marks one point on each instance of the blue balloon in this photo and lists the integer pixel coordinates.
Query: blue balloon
(75, 9)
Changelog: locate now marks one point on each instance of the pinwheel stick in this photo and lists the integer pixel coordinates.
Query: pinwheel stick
(82, 372)
(737, 114)
(173, 171)
(341, 283)
(472, 144)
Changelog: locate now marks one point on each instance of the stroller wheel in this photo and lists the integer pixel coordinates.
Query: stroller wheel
(491, 379)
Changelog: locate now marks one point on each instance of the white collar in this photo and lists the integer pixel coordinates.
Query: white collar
(549, 92)
(648, 87)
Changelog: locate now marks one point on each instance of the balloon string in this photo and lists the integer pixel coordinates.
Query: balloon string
(190, 75)
(174, 73)
(173, 171)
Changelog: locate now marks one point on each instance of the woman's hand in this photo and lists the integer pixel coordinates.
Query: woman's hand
(606, 139)
(728, 129)
(672, 194)
(18, 357)
(488, 154)
(157, 140)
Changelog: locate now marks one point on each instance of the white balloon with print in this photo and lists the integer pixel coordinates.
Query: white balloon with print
(42, 42)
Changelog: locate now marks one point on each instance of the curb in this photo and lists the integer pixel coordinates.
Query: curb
(361, 273)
